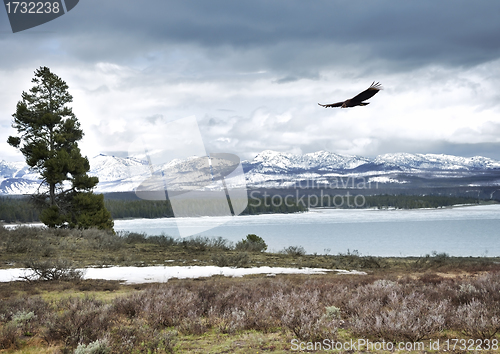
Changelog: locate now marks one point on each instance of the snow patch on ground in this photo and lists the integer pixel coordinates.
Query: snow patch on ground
(385, 179)
(160, 274)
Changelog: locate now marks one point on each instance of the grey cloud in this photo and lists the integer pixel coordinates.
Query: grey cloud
(99, 90)
(155, 118)
(491, 150)
(248, 45)
(410, 34)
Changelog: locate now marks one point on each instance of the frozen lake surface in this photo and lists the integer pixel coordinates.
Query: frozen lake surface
(459, 231)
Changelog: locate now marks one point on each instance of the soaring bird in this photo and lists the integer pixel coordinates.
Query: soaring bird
(358, 99)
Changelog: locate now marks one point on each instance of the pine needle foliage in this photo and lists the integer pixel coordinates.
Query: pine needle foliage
(48, 135)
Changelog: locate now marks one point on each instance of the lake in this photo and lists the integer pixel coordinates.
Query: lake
(458, 231)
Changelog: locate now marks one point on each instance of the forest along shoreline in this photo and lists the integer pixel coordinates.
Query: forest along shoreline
(18, 209)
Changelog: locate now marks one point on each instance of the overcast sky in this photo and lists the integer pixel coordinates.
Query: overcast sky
(253, 72)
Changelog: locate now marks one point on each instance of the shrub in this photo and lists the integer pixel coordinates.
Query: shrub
(203, 243)
(130, 306)
(332, 313)
(24, 320)
(9, 336)
(58, 269)
(28, 312)
(78, 321)
(102, 239)
(141, 339)
(477, 321)
(165, 306)
(406, 317)
(163, 241)
(97, 347)
(303, 314)
(294, 251)
(220, 243)
(133, 237)
(252, 243)
(239, 259)
(232, 320)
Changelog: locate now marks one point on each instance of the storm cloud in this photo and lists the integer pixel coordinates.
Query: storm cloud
(252, 72)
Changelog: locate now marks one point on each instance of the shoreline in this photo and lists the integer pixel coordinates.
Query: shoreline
(311, 209)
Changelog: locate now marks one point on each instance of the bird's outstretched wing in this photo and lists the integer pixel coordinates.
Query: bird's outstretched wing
(368, 93)
(338, 104)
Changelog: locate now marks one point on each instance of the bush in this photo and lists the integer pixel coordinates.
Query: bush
(78, 321)
(24, 320)
(203, 243)
(58, 269)
(97, 347)
(404, 318)
(102, 239)
(232, 320)
(252, 243)
(163, 241)
(228, 260)
(477, 321)
(141, 339)
(22, 239)
(9, 336)
(294, 251)
(304, 315)
(133, 237)
(27, 312)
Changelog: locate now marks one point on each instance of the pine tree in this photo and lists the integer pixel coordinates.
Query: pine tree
(48, 138)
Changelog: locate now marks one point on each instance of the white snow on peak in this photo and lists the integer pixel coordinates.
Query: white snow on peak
(437, 161)
(267, 169)
(322, 160)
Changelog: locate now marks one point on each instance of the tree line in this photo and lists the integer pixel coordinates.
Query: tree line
(415, 201)
(22, 210)
(120, 209)
(18, 210)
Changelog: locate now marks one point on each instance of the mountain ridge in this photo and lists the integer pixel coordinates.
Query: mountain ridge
(274, 169)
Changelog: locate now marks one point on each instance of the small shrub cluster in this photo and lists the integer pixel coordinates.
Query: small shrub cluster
(252, 243)
(354, 260)
(294, 251)
(44, 243)
(203, 243)
(52, 269)
(78, 320)
(97, 347)
(240, 259)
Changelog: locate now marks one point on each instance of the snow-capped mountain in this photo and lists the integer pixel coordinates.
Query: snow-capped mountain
(271, 169)
(277, 162)
(436, 162)
(268, 161)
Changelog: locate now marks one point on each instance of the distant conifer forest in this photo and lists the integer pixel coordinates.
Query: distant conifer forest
(19, 209)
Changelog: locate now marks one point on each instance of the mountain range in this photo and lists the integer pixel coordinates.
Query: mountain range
(271, 169)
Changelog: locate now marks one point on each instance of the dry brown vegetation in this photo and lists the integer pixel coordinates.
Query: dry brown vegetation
(153, 318)
(431, 297)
